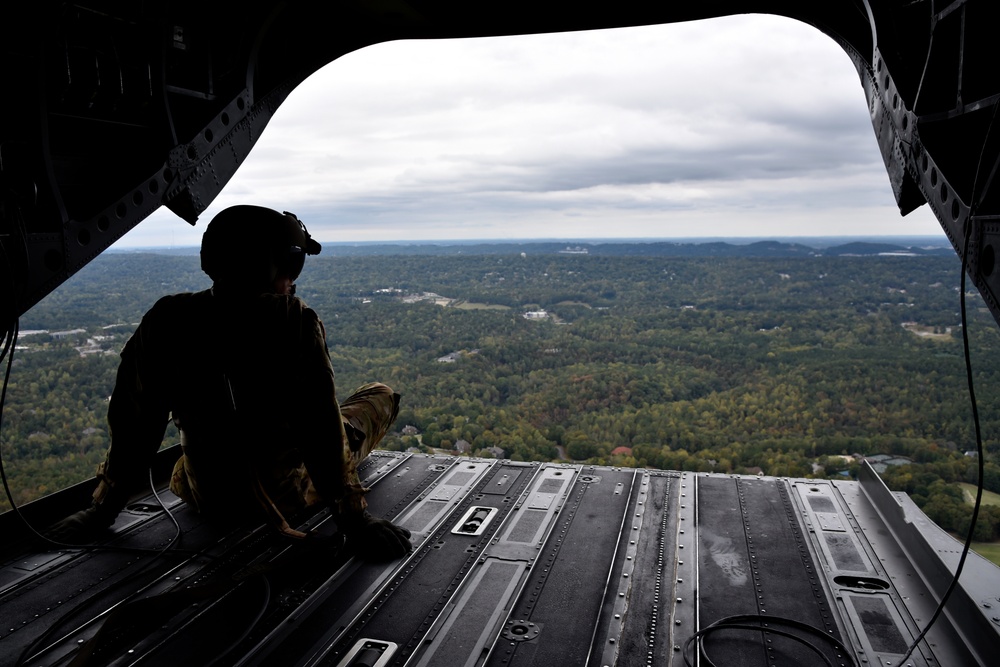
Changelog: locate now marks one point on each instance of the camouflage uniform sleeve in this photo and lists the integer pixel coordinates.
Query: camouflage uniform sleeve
(137, 415)
(323, 445)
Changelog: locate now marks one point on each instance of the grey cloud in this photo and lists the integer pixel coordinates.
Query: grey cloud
(746, 116)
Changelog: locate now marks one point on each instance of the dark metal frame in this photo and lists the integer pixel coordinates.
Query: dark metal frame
(114, 109)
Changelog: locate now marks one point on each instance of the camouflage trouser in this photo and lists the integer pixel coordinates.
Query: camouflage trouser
(367, 414)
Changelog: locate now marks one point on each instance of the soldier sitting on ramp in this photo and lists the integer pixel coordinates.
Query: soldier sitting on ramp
(243, 371)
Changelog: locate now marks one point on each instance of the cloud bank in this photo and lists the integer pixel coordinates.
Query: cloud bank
(743, 126)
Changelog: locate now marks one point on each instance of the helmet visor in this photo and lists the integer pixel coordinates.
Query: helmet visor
(291, 263)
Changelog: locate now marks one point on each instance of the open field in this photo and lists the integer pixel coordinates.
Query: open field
(469, 305)
(989, 498)
(988, 550)
(931, 333)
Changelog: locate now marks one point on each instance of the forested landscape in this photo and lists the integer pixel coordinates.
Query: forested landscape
(788, 366)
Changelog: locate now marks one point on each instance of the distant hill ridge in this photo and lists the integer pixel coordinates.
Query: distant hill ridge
(775, 249)
(772, 249)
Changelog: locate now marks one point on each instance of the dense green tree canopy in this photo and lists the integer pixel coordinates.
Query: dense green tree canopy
(731, 365)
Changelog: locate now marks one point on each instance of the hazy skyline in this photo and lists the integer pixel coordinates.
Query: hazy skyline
(742, 126)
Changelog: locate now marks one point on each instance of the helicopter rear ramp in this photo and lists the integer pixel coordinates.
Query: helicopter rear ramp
(521, 564)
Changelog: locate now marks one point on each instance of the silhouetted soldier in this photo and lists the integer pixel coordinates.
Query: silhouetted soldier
(243, 371)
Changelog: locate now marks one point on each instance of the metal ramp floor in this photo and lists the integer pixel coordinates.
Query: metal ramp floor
(519, 564)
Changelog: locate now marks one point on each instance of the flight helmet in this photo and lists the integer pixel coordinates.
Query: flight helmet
(249, 246)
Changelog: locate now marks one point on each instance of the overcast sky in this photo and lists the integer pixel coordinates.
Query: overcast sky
(741, 126)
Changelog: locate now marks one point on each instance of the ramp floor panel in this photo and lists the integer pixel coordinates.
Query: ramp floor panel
(643, 627)
(404, 612)
(516, 564)
(565, 591)
(754, 561)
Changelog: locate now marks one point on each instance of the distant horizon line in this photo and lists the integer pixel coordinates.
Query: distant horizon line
(824, 240)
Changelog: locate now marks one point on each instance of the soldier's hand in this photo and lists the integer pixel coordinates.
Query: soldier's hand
(377, 539)
(81, 527)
